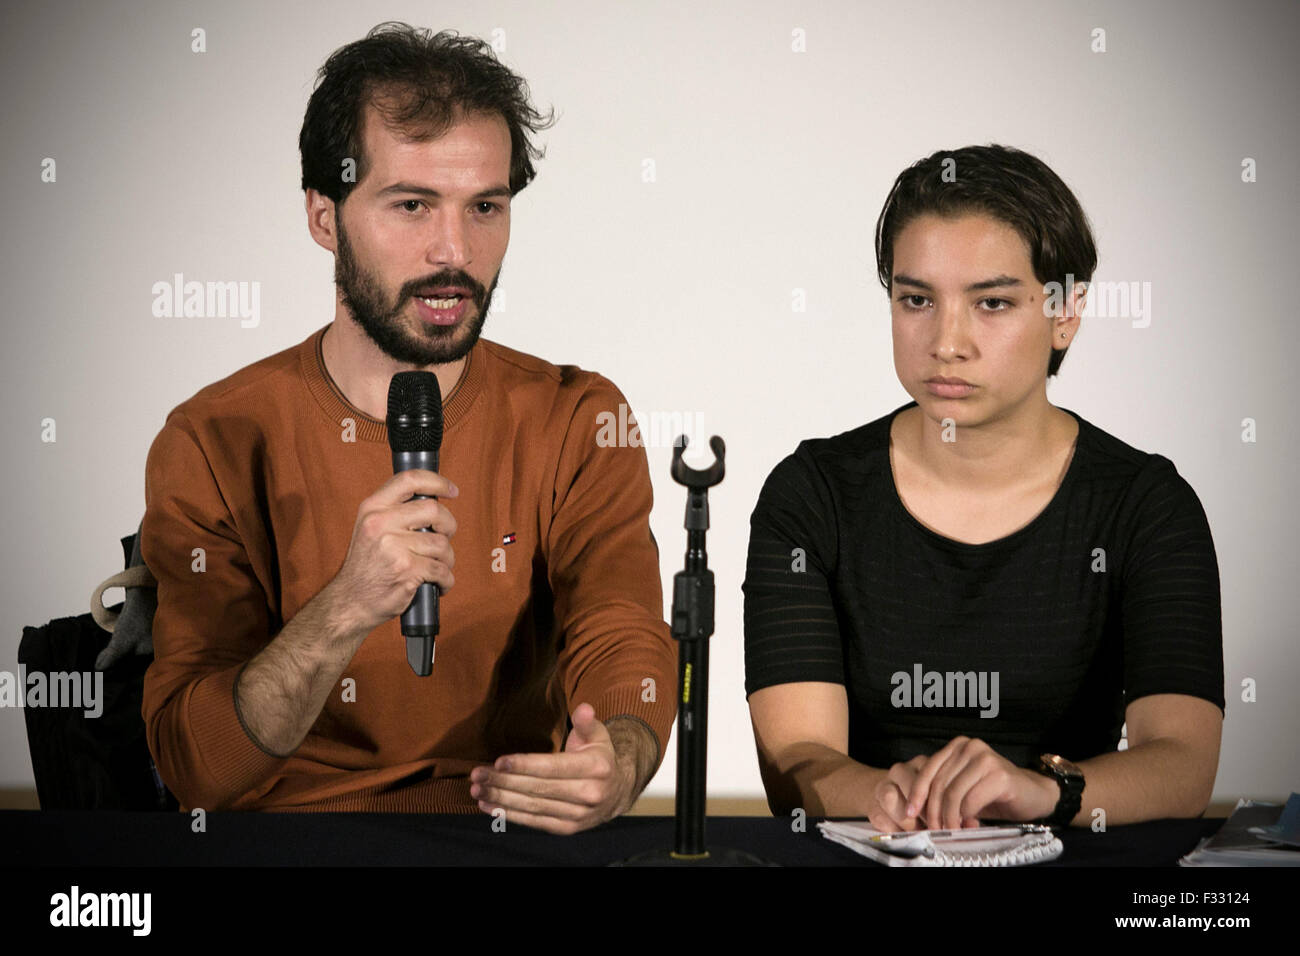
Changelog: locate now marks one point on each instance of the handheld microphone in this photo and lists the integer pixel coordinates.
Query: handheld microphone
(415, 435)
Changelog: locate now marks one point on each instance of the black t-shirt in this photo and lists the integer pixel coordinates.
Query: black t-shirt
(1109, 594)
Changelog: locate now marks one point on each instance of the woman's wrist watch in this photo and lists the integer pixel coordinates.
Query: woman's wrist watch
(1070, 779)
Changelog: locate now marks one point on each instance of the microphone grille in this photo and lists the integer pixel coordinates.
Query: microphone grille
(414, 412)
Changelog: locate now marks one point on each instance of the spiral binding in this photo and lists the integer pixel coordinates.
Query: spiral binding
(1045, 847)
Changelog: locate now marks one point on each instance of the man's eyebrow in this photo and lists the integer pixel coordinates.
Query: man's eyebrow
(490, 193)
(997, 282)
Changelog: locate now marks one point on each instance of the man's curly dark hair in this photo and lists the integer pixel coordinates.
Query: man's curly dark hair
(419, 81)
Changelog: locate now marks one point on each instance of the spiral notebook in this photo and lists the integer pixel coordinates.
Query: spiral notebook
(1016, 844)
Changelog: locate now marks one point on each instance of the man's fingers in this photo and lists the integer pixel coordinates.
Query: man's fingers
(581, 791)
(426, 545)
(421, 513)
(540, 821)
(490, 796)
(567, 765)
(413, 481)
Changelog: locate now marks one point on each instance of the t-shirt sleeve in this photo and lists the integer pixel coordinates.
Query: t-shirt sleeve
(212, 618)
(617, 652)
(1173, 624)
(791, 630)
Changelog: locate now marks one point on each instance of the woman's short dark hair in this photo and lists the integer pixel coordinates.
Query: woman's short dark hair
(418, 81)
(1006, 184)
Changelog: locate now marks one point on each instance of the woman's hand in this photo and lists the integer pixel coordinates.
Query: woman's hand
(968, 779)
(886, 811)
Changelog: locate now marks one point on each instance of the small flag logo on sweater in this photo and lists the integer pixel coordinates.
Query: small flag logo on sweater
(508, 538)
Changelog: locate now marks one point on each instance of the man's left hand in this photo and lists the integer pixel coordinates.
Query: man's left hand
(593, 780)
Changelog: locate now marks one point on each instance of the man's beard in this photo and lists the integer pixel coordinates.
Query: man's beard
(431, 344)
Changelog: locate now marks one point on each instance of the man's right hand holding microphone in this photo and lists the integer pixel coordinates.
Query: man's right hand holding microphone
(283, 689)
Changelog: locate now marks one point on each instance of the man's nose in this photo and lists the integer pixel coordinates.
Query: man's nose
(449, 242)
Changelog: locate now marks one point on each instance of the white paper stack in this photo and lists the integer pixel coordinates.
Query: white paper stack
(1009, 845)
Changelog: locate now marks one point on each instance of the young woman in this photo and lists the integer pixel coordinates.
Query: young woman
(951, 611)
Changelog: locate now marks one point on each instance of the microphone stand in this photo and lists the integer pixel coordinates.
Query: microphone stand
(693, 600)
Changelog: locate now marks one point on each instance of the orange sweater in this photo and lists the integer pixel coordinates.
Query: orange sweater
(258, 471)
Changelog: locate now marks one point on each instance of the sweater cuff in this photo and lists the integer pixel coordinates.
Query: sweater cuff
(234, 762)
(657, 714)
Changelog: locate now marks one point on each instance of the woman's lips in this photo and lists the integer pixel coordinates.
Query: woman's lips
(950, 389)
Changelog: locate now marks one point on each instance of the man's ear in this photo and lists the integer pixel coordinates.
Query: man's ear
(320, 220)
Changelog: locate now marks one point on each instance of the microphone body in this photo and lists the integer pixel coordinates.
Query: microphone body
(415, 436)
(420, 619)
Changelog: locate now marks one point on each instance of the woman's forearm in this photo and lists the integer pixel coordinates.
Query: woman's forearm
(1154, 780)
(819, 780)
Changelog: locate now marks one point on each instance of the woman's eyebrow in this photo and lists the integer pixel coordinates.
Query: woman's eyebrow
(901, 278)
(996, 282)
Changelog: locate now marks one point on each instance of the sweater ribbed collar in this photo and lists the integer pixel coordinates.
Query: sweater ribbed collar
(455, 405)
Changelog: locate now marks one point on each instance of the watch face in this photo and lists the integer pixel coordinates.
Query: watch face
(1061, 765)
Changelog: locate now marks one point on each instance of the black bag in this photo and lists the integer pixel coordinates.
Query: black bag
(90, 763)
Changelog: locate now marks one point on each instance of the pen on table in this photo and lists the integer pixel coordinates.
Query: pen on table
(973, 833)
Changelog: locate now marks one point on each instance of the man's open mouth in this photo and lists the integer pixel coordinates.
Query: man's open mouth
(441, 302)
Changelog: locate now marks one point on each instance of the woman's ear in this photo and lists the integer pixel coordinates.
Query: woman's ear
(1077, 301)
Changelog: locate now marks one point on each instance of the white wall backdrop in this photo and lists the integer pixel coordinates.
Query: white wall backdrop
(771, 164)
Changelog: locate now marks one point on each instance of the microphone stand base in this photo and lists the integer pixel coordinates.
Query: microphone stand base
(716, 856)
